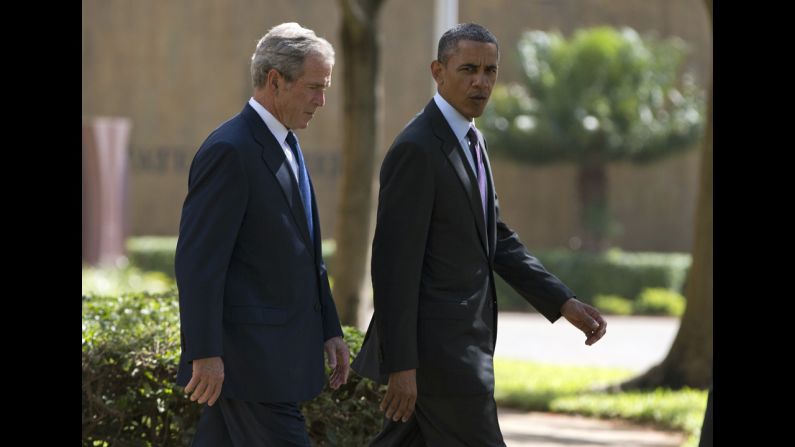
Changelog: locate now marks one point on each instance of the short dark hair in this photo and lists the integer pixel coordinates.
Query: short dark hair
(463, 31)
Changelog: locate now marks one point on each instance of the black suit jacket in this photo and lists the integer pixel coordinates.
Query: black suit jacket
(253, 287)
(433, 263)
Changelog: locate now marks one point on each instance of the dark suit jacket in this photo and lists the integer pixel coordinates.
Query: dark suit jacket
(433, 264)
(253, 287)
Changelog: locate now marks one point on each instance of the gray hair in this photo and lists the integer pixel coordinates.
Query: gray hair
(463, 31)
(284, 48)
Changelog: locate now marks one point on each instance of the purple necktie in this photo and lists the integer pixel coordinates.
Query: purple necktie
(477, 155)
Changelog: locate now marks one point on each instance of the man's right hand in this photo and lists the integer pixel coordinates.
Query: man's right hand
(401, 395)
(208, 376)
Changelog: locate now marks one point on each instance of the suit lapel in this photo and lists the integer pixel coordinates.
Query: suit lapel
(463, 171)
(274, 158)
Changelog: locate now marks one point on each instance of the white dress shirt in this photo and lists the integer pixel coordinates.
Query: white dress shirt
(279, 131)
(460, 127)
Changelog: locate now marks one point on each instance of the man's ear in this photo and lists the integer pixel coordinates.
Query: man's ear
(436, 71)
(274, 80)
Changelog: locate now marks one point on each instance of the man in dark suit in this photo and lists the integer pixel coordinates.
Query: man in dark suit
(438, 240)
(256, 310)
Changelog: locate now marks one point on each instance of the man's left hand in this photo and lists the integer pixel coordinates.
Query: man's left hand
(585, 318)
(338, 359)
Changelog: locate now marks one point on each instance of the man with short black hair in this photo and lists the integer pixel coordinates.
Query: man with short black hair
(438, 241)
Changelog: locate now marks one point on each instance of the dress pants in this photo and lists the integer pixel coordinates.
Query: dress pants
(237, 423)
(445, 421)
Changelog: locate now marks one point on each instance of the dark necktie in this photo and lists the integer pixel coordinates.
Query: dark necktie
(477, 156)
(303, 181)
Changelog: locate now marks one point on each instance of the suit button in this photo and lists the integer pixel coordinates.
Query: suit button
(317, 307)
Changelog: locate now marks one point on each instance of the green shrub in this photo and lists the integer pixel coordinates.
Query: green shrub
(656, 301)
(130, 354)
(613, 272)
(348, 416)
(156, 253)
(588, 274)
(153, 253)
(130, 357)
(613, 304)
(116, 281)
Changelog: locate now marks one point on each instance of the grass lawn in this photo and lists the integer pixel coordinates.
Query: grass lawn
(575, 389)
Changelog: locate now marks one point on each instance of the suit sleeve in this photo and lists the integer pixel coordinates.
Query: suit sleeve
(405, 204)
(331, 321)
(211, 218)
(525, 273)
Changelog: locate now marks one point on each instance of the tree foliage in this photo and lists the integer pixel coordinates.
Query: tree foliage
(604, 95)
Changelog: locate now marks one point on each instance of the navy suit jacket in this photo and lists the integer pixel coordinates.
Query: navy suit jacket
(253, 288)
(433, 264)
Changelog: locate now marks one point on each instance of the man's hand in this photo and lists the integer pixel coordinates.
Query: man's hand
(338, 358)
(208, 377)
(401, 395)
(585, 318)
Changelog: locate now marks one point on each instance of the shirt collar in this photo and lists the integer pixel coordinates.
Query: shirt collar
(457, 122)
(276, 127)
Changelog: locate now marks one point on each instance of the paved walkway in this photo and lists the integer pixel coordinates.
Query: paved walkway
(554, 430)
(635, 343)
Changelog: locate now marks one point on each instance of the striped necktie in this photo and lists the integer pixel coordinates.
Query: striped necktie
(303, 181)
(477, 156)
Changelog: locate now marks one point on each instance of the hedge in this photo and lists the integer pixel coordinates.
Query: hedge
(156, 253)
(130, 357)
(610, 273)
(613, 272)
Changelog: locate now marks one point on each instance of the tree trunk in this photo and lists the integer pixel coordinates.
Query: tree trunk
(594, 220)
(360, 74)
(689, 362)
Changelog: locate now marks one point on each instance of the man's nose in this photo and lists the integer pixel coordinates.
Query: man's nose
(481, 79)
(320, 99)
